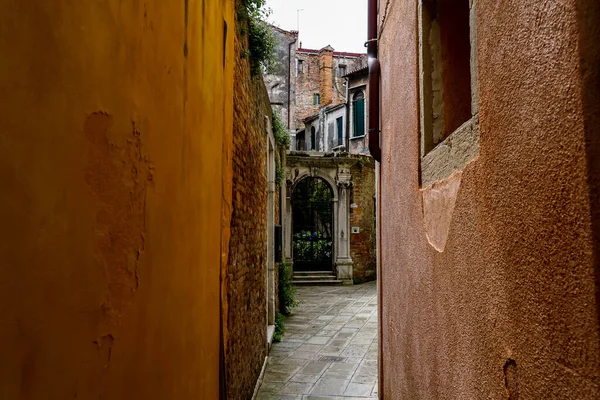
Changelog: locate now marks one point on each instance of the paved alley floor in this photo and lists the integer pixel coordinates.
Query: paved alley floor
(329, 350)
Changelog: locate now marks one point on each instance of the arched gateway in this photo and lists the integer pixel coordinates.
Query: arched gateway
(313, 225)
(317, 231)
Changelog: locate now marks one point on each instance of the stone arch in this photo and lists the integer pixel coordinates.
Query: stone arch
(317, 174)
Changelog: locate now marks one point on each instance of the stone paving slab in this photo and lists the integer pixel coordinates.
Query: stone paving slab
(329, 351)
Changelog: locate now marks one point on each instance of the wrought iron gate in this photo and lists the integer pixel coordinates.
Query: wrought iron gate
(312, 205)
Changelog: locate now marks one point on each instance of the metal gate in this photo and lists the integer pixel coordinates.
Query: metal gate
(312, 207)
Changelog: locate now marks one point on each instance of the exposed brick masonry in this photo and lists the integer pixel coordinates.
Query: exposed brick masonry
(325, 76)
(362, 244)
(308, 81)
(246, 269)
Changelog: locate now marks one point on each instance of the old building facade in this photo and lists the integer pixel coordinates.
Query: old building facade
(281, 82)
(320, 79)
(489, 199)
(329, 114)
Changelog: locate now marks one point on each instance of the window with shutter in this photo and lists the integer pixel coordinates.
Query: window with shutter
(358, 115)
(340, 130)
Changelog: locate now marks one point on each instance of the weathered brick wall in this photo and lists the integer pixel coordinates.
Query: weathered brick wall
(308, 82)
(326, 76)
(246, 322)
(363, 244)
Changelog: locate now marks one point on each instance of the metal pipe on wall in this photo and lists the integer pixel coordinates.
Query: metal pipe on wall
(347, 116)
(289, 84)
(374, 78)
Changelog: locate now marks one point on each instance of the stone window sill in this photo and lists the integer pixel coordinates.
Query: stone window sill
(452, 154)
(357, 137)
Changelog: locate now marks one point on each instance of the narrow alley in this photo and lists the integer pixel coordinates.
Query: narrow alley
(300, 199)
(330, 348)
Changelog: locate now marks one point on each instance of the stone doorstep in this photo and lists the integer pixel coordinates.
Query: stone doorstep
(305, 273)
(330, 282)
(314, 277)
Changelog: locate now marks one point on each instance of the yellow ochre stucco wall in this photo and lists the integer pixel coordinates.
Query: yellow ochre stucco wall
(114, 115)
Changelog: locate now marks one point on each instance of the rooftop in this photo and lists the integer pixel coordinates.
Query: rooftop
(335, 53)
(291, 33)
(359, 71)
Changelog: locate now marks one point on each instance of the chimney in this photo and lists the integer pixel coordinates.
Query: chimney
(325, 76)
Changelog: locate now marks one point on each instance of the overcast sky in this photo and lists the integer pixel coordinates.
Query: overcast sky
(339, 23)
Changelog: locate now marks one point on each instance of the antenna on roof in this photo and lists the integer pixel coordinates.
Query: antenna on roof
(298, 21)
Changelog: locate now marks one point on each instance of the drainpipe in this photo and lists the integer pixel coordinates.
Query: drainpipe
(374, 77)
(375, 150)
(289, 98)
(347, 116)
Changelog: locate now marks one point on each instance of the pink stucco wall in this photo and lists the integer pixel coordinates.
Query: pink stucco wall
(518, 276)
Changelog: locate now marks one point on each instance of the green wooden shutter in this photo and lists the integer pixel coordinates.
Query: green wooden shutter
(340, 131)
(359, 118)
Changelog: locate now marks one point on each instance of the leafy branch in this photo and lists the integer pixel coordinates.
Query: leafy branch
(261, 41)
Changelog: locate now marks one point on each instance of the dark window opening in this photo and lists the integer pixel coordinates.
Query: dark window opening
(313, 138)
(340, 130)
(341, 70)
(300, 66)
(300, 141)
(358, 115)
(316, 99)
(446, 45)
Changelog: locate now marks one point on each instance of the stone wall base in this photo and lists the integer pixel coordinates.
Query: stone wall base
(344, 270)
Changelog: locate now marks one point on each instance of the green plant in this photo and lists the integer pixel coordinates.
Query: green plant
(279, 175)
(279, 327)
(280, 133)
(287, 290)
(312, 245)
(279, 170)
(261, 41)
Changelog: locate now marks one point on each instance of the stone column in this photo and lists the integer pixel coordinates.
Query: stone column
(287, 222)
(343, 260)
(270, 223)
(270, 253)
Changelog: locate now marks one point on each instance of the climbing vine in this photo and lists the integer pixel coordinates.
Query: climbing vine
(279, 327)
(279, 171)
(261, 41)
(282, 138)
(287, 290)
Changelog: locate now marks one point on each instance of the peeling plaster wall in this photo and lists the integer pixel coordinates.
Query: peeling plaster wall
(329, 126)
(113, 116)
(281, 82)
(510, 304)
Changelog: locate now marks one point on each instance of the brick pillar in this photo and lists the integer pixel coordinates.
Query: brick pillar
(325, 76)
